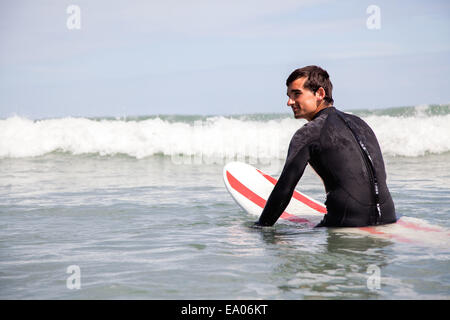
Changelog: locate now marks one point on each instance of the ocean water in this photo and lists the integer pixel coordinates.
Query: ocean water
(135, 208)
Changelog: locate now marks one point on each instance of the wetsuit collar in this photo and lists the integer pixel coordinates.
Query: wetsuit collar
(326, 110)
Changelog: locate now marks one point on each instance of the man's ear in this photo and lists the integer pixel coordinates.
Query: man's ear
(320, 93)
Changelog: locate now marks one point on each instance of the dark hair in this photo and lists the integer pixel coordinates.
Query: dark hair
(316, 78)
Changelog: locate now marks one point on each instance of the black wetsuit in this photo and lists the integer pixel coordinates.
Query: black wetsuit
(344, 152)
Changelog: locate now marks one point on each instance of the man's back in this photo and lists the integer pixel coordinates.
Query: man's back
(348, 174)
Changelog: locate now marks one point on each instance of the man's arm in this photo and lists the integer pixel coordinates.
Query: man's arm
(280, 197)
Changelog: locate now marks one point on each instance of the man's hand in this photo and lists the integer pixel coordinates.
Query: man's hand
(258, 225)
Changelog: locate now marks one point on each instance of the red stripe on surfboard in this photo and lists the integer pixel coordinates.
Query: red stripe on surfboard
(253, 197)
(416, 227)
(299, 197)
(372, 230)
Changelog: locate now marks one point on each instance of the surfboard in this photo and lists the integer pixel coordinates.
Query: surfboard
(250, 188)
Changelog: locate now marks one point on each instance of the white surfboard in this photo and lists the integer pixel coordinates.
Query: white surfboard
(251, 188)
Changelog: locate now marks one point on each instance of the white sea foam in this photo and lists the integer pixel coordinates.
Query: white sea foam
(412, 136)
(212, 137)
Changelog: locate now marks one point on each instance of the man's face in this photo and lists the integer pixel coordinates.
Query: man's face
(302, 101)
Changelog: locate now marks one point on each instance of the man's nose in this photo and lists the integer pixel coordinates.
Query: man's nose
(290, 102)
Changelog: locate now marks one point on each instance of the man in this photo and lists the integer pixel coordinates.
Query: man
(341, 148)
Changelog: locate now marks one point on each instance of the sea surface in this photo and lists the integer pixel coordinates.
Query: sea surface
(136, 208)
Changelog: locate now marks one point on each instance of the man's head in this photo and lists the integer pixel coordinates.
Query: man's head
(309, 91)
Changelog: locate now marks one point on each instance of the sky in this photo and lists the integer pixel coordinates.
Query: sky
(132, 58)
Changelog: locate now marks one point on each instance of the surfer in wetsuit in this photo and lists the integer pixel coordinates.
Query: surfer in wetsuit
(341, 148)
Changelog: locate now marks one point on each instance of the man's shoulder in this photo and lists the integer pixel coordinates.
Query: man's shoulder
(310, 130)
(357, 122)
(354, 117)
(349, 114)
